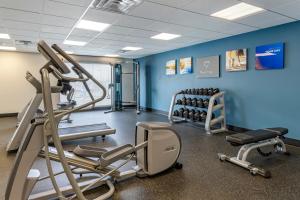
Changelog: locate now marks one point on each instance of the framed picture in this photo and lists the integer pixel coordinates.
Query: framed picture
(236, 60)
(185, 65)
(208, 67)
(270, 56)
(171, 67)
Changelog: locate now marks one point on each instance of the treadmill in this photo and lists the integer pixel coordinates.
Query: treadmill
(68, 133)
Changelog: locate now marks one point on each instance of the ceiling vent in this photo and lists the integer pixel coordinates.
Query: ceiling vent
(118, 6)
(24, 42)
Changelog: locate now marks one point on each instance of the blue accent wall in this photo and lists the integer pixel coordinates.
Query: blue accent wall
(254, 99)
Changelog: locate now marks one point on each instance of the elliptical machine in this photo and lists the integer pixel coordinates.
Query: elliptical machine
(157, 149)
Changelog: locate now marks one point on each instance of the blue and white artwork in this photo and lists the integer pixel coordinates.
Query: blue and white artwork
(270, 56)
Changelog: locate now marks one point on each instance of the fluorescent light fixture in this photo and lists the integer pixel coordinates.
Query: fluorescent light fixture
(75, 43)
(165, 36)
(69, 52)
(4, 36)
(111, 55)
(91, 25)
(237, 11)
(131, 48)
(7, 48)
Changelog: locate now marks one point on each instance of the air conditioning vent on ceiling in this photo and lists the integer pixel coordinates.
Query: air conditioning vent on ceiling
(118, 6)
(23, 42)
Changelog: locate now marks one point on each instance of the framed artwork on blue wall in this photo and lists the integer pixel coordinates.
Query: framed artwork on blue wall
(208, 67)
(270, 56)
(171, 67)
(185, 65)
(236, 60)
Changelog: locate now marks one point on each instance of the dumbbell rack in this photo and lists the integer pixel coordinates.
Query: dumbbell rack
(210, 124)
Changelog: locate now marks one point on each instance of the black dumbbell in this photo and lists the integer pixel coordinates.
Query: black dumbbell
(176, 113)
(210, 92)
(181, 110)
(183, 100)
(194, 91)
(205, 103)
(216, 91)
(186, 91)
(179, 102)
(200, 103)
(203, 115)
(197, 116)
(205, 92)
(200, 91)
(189, 101)
(194, 102)
(191, 114)
(186, 113)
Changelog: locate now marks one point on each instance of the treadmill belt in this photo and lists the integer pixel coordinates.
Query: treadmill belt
(84, 128)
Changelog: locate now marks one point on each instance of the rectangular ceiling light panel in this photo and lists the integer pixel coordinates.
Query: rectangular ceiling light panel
(91, 25)
(165, 36)
(7, 48)
(75, 43)
(237, 11)
(4, 36)
(131, 48)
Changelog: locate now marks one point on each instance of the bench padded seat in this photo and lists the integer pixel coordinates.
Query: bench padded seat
(255, 135)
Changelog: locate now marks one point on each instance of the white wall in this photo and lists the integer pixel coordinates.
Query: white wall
(15, 91)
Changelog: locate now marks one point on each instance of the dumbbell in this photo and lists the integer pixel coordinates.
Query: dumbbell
(205, 92)
(179, 102)
(183, 101)
(194, 91)
(200, 91)
(191, 114)
(189, 101)
(176, 113)
(216, 91)
(203, 115)
(189, 91)
(186, 113)
(200, 103)
(197, 116)
(205, 103)
(194, 102)
(210, 92)
(181, 110)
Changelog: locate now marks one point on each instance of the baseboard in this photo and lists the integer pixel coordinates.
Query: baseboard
(8, 115)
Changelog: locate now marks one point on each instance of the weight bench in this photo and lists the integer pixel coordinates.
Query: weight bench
(255, 140)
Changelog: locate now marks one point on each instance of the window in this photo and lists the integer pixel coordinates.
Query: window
(102, 73)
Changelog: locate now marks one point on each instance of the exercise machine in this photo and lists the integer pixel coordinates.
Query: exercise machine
(252, 140)
(157, 148)
(69, 133)
(68, 104)
(117, 103)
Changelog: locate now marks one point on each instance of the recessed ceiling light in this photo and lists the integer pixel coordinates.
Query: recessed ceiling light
(237, 11)
(7, 48)
(4, 36)
(76, 43)
(91, 25)
(69, 52)
(111, 55)
(131, 48)
(165, 36)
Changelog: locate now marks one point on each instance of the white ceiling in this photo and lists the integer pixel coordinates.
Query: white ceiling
(52, 20)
